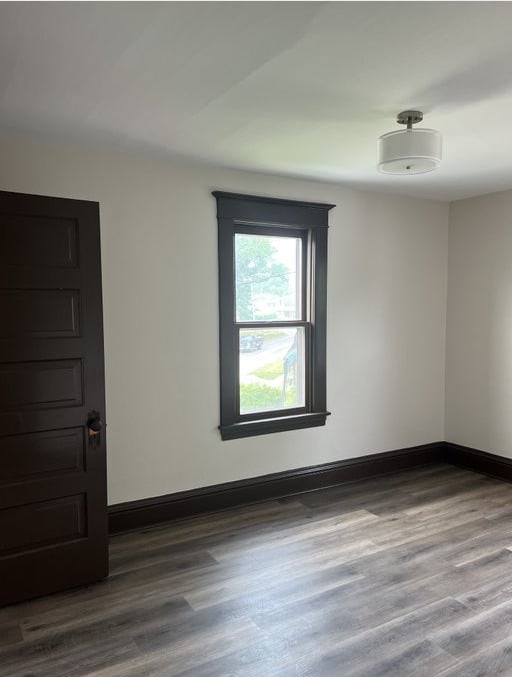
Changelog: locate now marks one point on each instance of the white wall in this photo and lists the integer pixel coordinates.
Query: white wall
(386, 316)
(479, 331)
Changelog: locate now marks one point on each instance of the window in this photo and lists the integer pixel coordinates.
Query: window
(272, 300)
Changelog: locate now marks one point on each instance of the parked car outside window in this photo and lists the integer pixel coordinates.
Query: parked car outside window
(251, 342)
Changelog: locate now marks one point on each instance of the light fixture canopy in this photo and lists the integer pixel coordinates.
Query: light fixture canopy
(409, 151)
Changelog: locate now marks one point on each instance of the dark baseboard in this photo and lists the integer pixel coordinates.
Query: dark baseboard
(148, 511)
(479, 461)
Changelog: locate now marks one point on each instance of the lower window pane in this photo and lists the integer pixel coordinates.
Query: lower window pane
(272, 369)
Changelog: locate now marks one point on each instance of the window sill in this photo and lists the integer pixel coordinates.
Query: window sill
(272, 425)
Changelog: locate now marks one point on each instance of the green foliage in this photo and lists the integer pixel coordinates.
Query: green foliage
(256, 397)
(257, 273)
(259, 397)
(291, 397)
(269, 371)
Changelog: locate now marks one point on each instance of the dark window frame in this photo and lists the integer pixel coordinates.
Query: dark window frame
(268, 216)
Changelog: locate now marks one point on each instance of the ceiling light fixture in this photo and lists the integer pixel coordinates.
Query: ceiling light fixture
(409, 151)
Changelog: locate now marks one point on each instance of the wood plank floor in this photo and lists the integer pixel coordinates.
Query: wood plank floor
(407, 574)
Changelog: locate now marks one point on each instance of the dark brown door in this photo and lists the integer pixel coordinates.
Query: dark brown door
(53, 509)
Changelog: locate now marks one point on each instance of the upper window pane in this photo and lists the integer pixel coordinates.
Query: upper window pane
(268, 278)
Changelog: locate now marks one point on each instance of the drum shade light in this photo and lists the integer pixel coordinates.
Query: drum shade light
(409, 151)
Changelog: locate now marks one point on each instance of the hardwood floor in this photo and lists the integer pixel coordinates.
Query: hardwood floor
(407, 574)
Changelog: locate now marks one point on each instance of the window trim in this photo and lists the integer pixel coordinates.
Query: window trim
(246, 213)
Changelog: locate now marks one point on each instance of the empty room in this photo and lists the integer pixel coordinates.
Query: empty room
(255, 339)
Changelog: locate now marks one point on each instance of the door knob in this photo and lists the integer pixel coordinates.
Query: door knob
(94, 425)
(94, 422)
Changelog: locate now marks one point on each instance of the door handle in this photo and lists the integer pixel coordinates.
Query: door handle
(94, 426)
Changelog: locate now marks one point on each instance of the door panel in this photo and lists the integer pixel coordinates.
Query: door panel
(53, 508)
(40, 313)
(44, 524)
(34, 240)
(41, 384)
(35, 455)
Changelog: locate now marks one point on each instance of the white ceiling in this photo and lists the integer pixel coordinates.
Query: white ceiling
(298, 88)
